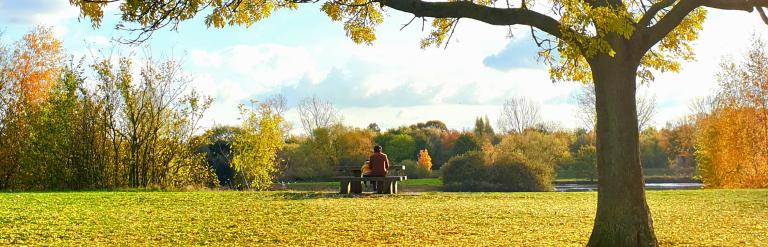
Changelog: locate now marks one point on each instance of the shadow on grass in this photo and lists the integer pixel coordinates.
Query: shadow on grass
(306, 195)
(90, 190)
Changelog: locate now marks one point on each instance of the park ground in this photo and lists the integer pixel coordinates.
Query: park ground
(681, 218)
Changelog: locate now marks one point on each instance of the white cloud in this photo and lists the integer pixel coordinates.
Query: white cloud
(97, 40)
(263, 66)
(38, 12)
(235, 75)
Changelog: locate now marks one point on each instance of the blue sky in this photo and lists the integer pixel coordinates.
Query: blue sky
(394, 82)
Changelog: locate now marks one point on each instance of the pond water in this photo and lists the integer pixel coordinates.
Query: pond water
(648, 186)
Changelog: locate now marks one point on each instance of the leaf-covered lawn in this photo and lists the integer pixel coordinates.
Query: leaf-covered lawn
(695, 218)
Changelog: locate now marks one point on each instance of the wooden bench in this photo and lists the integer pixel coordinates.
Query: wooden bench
(384, 185)
(350, 180)
(394, 170)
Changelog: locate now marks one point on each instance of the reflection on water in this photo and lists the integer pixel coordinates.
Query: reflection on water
(648, 186)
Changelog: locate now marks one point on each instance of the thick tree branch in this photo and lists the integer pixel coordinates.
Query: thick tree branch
(604, 3)
(420, 8)
(467, 9)
(653, 10)
(683, 7)
(762, 14)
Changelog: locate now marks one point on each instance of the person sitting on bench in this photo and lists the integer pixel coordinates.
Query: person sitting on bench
(365, 170)
(379, 163)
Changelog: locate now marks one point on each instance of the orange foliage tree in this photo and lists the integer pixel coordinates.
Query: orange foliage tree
(36, 65)
(677, 142)
(32, 68)
(731, 141)
(425, 161)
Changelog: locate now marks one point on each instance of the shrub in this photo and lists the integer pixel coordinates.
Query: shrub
(526, 161)
(302, 163)
(521, 162)
(414, 170)
(513, 172)
(254, 149)
(585, 162)
(535, 146)
(467, 172)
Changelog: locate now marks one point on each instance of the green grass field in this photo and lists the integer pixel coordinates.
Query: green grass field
(686, 218)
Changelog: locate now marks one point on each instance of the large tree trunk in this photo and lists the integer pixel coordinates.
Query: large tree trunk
(623, 218)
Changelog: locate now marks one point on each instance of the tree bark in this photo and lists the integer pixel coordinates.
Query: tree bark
(623, 218)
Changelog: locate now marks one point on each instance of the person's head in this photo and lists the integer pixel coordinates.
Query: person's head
(377, 149)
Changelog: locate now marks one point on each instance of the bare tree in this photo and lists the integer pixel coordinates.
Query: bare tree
(702, 106)
(646, 109)
(277, 103)
(586, 111)
(317, 113)
(518, 114)
(587, 114)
